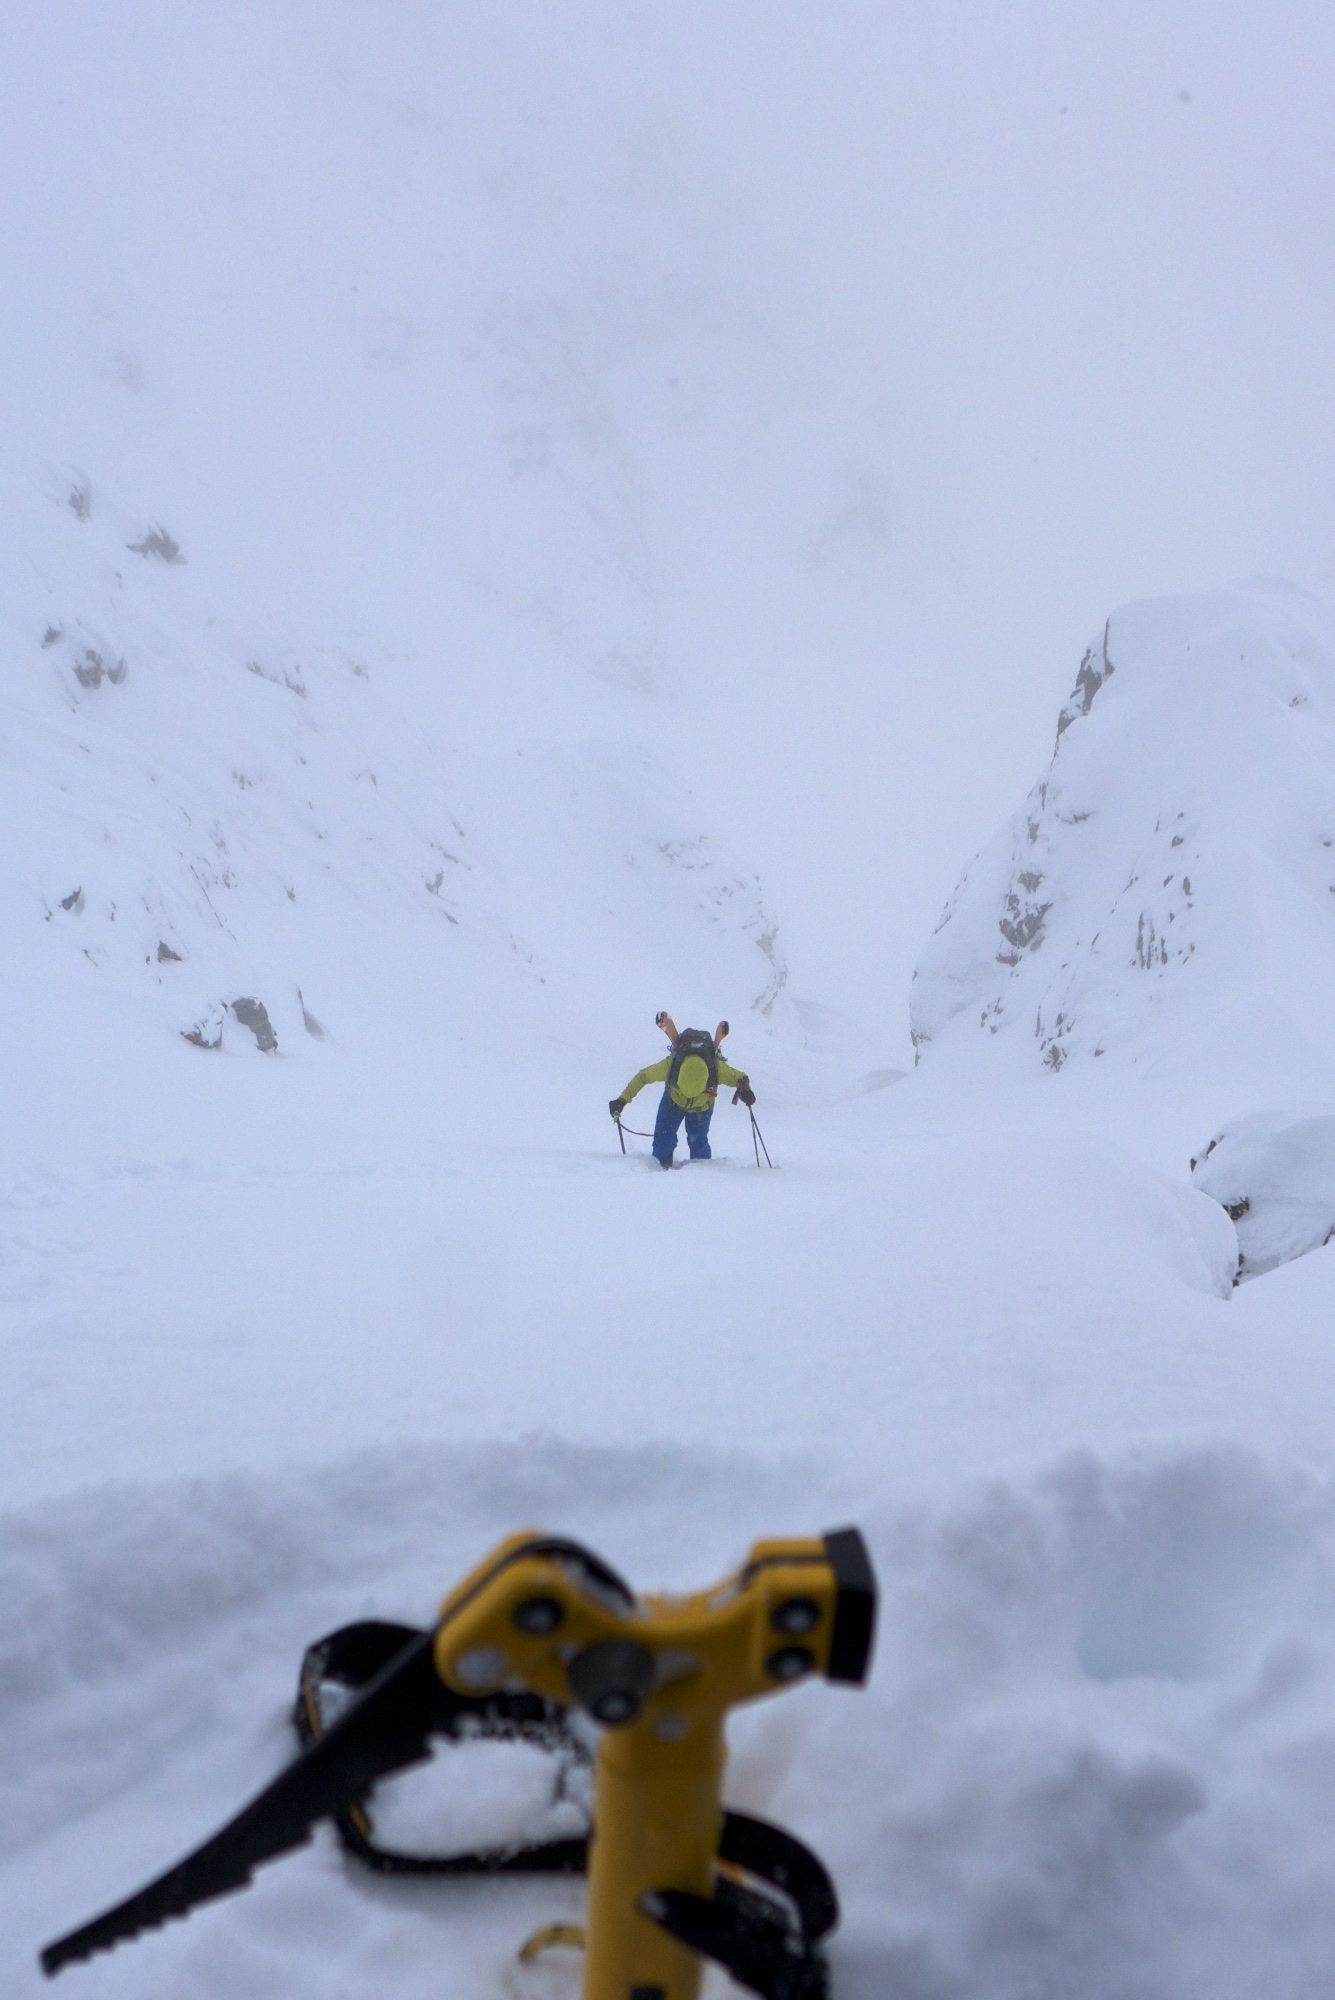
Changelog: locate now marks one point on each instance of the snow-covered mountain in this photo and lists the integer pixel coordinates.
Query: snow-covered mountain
(204, 808)
(1166, 894)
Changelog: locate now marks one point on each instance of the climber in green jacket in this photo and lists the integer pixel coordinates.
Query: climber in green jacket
(692, 1074)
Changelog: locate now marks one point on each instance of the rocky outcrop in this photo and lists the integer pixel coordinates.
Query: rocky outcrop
(1275, 1176)
(1172, 874)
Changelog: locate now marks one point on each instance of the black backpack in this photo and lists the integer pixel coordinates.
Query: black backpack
(694, 1042)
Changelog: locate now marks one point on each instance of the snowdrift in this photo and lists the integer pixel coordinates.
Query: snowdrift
(1092, 1759)
(1275, 1175)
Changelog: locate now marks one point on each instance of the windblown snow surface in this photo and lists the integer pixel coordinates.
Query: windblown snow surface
(519, 517)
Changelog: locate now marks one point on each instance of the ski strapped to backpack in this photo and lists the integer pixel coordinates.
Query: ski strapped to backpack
(540, 1626)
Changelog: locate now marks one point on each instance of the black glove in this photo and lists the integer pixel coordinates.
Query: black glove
(745, 1092)
(617, 1106)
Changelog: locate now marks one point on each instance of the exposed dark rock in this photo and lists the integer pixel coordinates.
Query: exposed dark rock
(253, 1014)
(1095, 669)
(157, 542)
(1022, 927)
(91, 670)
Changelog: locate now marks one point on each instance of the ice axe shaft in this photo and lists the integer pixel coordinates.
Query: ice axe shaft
(660, 1674)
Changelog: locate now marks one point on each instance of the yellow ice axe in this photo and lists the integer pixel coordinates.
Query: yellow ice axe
(660, 1674)
(542, 1617)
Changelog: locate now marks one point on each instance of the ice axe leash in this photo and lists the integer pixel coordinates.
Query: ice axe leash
(539, 1626)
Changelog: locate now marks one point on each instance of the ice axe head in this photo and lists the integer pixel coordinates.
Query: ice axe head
(660, 1674)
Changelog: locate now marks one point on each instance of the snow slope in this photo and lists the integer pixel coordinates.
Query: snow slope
(203, 803)
(517, 518)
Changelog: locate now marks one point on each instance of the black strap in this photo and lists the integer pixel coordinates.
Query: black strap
(739, 1931)
(352, 1657)
(781, 1859)
(765, 1931)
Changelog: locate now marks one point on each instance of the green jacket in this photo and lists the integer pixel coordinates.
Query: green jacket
(658, 1073)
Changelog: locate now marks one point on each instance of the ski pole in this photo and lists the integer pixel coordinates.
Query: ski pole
(759, 1136)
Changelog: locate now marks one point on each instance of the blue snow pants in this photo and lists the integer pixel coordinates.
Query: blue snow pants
(668, 1123)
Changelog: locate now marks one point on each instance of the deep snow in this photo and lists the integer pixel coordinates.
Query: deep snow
(519, 518)
(1093, 1757)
